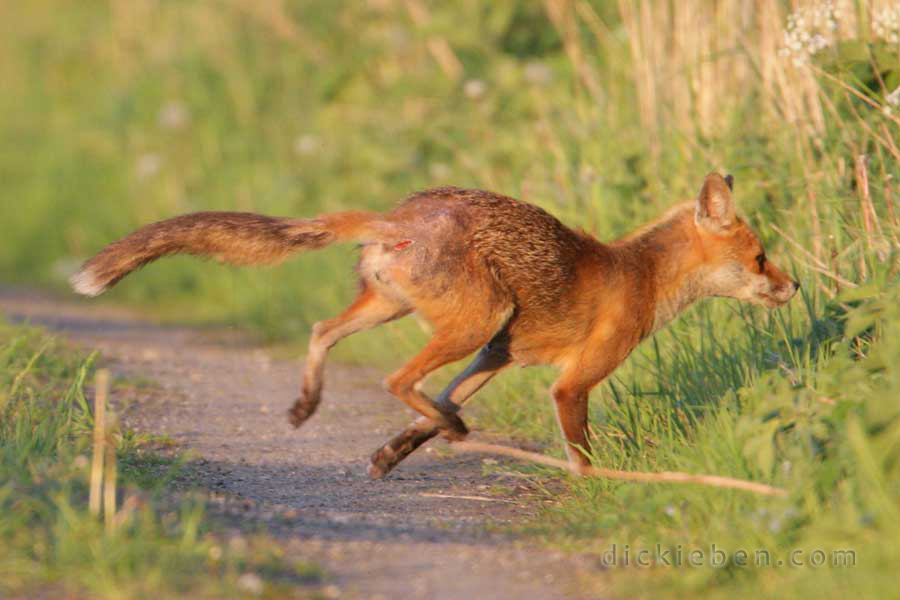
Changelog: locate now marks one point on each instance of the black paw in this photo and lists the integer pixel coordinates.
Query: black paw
(301, 411)
(381, 463)
(453, 428)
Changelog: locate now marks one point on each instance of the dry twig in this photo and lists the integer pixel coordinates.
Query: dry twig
(457, 497)
(663, 477)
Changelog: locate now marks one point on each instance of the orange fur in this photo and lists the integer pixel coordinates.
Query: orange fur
(488, 272)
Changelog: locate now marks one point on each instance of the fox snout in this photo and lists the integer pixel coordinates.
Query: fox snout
(768, 287)
(778, 291)
(781, 289)
(762, 283)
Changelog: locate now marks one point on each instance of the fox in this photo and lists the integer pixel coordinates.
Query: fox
(493, 276)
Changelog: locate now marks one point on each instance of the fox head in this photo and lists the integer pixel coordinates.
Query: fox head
(735, 262)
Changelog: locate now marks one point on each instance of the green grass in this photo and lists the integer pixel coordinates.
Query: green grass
(812, 417)
(116, 114)
(165, 547)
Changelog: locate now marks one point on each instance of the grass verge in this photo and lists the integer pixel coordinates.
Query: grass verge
(163, 547)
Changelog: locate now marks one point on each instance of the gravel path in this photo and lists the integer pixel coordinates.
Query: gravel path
(432, 529)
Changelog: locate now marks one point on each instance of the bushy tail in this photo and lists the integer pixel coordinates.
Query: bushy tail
(231, 237)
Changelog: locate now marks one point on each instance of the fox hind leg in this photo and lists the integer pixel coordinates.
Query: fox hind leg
(493, 358)
(448, 344)
(370, 308)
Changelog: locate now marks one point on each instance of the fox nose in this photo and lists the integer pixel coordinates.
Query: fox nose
(796, 285)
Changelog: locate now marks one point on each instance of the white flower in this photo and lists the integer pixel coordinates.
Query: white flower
(474, 89)
(809, 30)
(306, 145)
(886, 24)
(439, 171)
(174, 115)
(894, 97)
(538, 73)
(148, 165)
(250, 583)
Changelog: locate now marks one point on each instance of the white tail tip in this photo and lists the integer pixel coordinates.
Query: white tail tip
(84, 282)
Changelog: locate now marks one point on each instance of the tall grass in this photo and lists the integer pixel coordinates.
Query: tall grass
(605, 114)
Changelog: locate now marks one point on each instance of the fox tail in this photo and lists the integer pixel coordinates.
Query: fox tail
(232, 237)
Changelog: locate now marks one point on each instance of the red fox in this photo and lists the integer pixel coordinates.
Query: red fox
(491, 274)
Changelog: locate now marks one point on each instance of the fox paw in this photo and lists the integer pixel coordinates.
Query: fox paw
(453, 428)
(302, 410)
(382, 462)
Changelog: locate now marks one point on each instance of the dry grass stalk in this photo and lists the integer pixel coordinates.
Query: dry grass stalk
(889, 202)
(562, 15)
(101, 389)
(816, 264)
(643, 71)
(834, 267)
(663, 477)
(689, 56)
(439, 47)
(865, 199)
(870, 216)
(109, 476)
(853, 91)
(129, 506)
(889, 144)
(593, 21)
(272, 14)
(817, 226)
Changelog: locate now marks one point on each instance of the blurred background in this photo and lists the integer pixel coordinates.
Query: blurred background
(117, 113)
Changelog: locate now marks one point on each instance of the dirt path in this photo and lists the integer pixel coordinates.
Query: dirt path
(405, 536)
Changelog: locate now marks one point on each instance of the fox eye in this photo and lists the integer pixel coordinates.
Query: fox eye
(761, 261)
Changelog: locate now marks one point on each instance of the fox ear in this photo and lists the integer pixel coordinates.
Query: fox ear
(715, 206)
